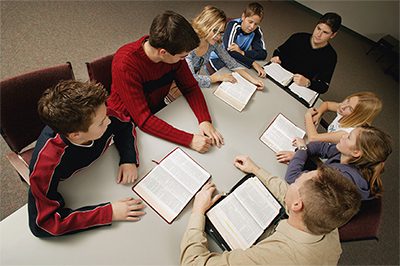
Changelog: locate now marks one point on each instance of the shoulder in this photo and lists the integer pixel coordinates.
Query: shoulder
(301, 36)
(330, 51)
(116, 115)
(129, 55)
(50, 146)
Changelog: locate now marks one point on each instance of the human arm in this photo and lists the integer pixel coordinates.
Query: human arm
(194, 246)
(258, 48)
(193, 62)
(49, 217)
(128, 85)
(320, 82)
(259, 83)
(276, 185)
(125, 142)
(312, 133)
(312, 118)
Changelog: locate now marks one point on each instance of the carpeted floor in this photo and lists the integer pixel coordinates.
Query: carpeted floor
(41, 34)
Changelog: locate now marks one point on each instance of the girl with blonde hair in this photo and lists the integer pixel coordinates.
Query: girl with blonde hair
(357, 109)
(209, 26)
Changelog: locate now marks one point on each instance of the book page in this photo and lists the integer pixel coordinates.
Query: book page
(169, 186)
(185, 170)
(258, 201)
(280, 134)
(278, 73)
(236, 94)
(304, 92)
(163, 192)
(234, 223)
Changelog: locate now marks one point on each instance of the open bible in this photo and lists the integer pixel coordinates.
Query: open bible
(280, 133)
(284, 79)
(236, 94)
(239, 219)
(169, 186)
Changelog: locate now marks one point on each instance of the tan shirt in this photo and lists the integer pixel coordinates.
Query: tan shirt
(286, 245)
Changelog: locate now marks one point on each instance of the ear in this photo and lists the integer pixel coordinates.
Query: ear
(243, 16)
(297, 205)
(356, 153)
(333, 35)
(74, 136)
(162, 51)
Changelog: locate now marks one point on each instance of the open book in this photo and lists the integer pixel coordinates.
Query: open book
(280, 133)
(236, 94)
(278, 73)
(239, 219)
(284, 78)
(169, 186)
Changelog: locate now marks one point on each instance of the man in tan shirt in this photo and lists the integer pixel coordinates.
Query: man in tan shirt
(317, 203)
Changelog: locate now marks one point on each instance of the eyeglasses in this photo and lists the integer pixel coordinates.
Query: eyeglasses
(199, 65)
(216, 32)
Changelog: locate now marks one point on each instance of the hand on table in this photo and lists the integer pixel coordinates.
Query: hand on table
(127, 173)
(245, 164)
(208, 130)
(284, 156)
(128, 209)
(204, 199)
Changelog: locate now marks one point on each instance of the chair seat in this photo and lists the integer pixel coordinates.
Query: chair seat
(21, 163)
(365, 224)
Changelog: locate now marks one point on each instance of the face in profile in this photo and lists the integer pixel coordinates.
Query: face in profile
(347, 144)
(172, 59)
(99, 125)
(321, 35)
(215, 36)
(250, 24)
(293, 192)
(347, 106)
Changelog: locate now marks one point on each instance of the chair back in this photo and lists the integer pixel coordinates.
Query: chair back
(365, 224)
(99, 70)
(20, 122)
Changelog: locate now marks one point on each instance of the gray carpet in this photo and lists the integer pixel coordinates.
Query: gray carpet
(42, 34)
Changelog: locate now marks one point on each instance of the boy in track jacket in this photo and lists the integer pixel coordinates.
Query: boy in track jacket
(79, 129)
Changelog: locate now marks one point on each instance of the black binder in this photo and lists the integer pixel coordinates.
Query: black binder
(213, 232)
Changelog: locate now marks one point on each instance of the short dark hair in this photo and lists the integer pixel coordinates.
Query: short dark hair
(254, 9)
(172, 32)
(330, 200)
(71, 105)
(331, 19)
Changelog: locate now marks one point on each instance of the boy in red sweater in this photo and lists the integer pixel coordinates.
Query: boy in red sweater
(142, 74)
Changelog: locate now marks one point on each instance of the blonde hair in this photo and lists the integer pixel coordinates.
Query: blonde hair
(209, 20)
(375, 147)
(330, 200)
(368, 107)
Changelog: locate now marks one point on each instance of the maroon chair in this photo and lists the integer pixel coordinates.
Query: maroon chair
(365, 224)
(20, 123)
(99, 70)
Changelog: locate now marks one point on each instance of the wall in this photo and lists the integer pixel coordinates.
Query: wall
(372, 19)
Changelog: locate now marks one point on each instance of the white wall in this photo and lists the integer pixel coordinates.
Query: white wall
(372, 19)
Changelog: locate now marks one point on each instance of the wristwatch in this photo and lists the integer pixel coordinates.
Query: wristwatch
(302, 148)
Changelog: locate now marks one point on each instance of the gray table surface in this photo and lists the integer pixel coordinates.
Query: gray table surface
(151, 241)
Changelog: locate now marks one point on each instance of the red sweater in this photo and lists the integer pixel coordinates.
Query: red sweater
(139, 86)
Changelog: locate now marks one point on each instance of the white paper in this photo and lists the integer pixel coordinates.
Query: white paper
(278, 73)
(280, 134)
(304, 92)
